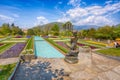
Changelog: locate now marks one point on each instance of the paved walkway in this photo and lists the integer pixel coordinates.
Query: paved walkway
(90, 67)
(8, 61)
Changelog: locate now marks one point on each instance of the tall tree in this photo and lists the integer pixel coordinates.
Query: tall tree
(30, 32)
(55, 30)
(5, 29)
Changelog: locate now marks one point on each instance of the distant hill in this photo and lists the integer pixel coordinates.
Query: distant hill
(50, 25)
(60, 24)
(85, 27)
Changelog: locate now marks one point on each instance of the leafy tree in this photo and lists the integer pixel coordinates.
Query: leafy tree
(30, 32)
(5, 29)
(55, 30)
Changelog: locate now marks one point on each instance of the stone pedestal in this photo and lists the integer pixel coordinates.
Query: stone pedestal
(71, 59)
(72, 56)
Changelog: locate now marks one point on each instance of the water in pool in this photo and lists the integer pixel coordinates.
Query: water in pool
(44, 49)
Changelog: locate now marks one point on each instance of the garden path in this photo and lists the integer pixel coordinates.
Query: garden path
(90, 67)
(8, 61)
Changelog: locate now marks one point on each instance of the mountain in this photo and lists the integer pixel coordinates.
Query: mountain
(84, 27)
(50, 25)
(60, 24)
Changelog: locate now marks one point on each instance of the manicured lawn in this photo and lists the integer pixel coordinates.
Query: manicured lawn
(15, 40)
(91, 43)
(29, 44)
(6, 71)
(5, 46)
(110, 51)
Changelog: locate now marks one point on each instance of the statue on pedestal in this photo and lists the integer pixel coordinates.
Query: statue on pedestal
(72, 56)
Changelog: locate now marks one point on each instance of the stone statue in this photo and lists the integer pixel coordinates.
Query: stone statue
(72, 56)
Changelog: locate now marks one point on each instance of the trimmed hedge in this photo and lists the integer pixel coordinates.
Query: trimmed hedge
(29, 43)
(58, 46)
(29, 46)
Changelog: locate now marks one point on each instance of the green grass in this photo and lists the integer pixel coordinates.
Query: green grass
(15, 40)
(90, 44)
(6, 46)
(110, 51)
(6, 71)
(29, 44)
(56, 45)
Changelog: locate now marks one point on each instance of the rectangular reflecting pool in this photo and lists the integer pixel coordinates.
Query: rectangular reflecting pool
(44, 49)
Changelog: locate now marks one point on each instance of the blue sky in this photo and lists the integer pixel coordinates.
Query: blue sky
(28, 13)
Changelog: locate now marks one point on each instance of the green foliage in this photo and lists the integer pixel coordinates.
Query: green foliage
(105, 32)
(110, 51)
(56, 45)
(55, 30)
(29, 44)
(6, 29)
(6, 71)
(30, 32)
(37, 30)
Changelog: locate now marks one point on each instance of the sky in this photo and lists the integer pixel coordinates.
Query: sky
(29, 13)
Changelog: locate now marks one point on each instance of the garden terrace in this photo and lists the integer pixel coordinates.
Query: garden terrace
(14, 51)
(6, 71)
(5, 46)
(110, 51)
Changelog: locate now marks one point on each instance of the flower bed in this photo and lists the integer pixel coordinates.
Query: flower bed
(62, 44)
(82, 45)
(98, 43)
(18, 36)
(28, 36)
(1, 44)
(14, 51)
(56, 45)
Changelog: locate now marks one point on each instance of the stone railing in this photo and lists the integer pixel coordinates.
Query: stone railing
(14, 72)
(108, 56)
(22, 58)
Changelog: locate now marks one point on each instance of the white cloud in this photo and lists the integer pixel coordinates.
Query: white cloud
(75, 3)
(108, 2)
(6, 19)
(41, 20)
(92, 15)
